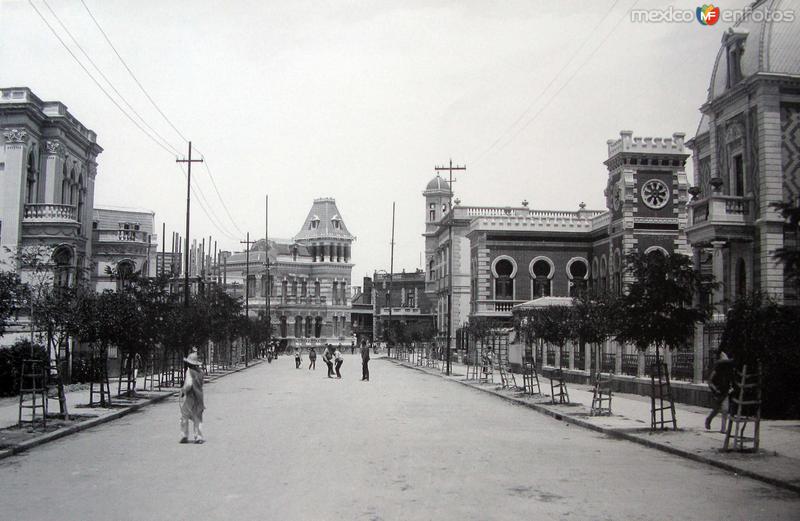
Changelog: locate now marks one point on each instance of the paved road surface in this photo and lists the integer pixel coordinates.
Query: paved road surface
(291, 444)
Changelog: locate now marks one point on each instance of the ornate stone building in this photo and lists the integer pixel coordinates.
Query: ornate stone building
(123, 243)
(747, 156)
(47, 175)
(309, 287)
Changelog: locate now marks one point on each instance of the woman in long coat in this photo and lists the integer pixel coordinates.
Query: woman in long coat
(191, 399)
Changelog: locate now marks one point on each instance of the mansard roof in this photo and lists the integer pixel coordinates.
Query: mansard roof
(324, 221)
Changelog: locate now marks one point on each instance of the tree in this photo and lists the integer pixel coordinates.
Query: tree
(554, 325)
(790, 256)
(759, 331)
(594, 316)
(658, 307)
(658, 312)
(12, 297)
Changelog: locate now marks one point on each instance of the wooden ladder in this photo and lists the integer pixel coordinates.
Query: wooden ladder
(152, 376)
(601, 399)
(662, 407)
(745, 410)
(530, 377)
(33, 385)
(126, 385)
(98, 384)
(558, 387)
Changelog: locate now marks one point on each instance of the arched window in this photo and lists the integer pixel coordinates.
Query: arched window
(284, 289)
(741, 278)
(30, 195)
(617, 281)
(298, 327)
(317, 327)
(125, 270)
(62, 258)
(309, 326)
(73, 189)
(578, 273)
(335, 326)
(542, 271)
(316, 289)
(504, 279)
(603, 272)
(284, 328)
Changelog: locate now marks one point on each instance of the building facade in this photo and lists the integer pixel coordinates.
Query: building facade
(401, 299)
(123, 244)
(747, 158)
(309, 281)
(48, 165)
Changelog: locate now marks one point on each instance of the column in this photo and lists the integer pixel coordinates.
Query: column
(12, 195)
(52, 181)
(718, 269)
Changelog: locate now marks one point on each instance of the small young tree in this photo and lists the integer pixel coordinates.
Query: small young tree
(594, 316)
(658, 309)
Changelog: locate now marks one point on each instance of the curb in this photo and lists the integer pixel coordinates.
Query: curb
(88, 424)
(619, 435)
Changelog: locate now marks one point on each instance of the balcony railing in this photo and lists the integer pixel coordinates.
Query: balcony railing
(50, 213)
(496, 306)
(722, 209)
(121, 236)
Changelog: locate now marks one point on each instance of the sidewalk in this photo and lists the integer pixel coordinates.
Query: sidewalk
(777, 463)
(13, 441)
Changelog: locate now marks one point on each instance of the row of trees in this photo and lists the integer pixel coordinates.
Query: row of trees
(145, 317)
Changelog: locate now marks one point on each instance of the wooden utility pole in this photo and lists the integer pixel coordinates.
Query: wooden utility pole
(188, 162)
(389, 293)
(268, 290)
(247, 244)
(450, 169)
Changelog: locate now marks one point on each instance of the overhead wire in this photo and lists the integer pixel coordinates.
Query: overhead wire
(88, 73)
(570, 78)
(109, 82)
(135, 79)
(209, 213)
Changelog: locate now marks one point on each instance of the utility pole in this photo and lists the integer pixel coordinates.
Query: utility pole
(247, 244)
(188, 162)
(268, 290)
(163, 250)
(389, 293)
(450, 169)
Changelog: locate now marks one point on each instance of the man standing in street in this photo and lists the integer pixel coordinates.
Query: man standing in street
(339, 359)
(364, 361)
(191, 398)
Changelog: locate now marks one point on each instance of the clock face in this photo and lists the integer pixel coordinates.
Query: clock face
(655, 194)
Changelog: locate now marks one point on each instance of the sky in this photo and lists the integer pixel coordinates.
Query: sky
(358, 100)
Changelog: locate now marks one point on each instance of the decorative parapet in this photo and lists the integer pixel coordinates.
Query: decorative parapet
(543, 220)
(647, 145)
(50, 213)
(52, 109)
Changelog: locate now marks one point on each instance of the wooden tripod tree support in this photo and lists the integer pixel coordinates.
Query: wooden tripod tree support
(530, 377)
(745, 411)
(98, 384)
(558, 387)
(661, 399)
(126, 384)
(55, 384)
(33, 391)
(603, 391)
(152, 375)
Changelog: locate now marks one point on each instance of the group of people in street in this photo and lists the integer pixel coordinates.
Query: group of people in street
(190, 398)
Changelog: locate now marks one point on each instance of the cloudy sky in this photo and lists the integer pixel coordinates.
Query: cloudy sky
(359, 100)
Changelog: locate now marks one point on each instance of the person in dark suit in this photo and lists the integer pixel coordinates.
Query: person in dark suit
(364, 361)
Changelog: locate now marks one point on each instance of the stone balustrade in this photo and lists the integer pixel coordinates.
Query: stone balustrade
(50, 213)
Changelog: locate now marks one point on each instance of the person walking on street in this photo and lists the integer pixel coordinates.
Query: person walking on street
(364, 361)
(720, 382)
(327, 357)
(312, 359)
(191, 398)
(297, 358)
(338, 358)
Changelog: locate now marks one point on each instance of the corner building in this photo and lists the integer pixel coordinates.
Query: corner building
(309, 281)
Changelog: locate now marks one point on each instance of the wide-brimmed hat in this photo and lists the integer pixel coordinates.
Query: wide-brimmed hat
(192, 359)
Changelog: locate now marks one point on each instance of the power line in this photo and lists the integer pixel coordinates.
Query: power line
(88, 73)
(213, 219)
(575, 73)
(155, 105)
(124, 63)
(219, 196)
(110, 84)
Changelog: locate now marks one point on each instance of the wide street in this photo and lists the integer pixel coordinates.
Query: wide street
(293, 444)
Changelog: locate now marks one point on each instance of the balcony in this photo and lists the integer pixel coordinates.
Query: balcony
(720, 217)
(400, 311)
(50, 213)
(495, 308)
(125, 236)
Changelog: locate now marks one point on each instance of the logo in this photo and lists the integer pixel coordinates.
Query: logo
(707, 14)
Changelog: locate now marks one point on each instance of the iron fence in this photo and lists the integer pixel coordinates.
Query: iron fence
(608, 362)
(682, 366)
(630, 364)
